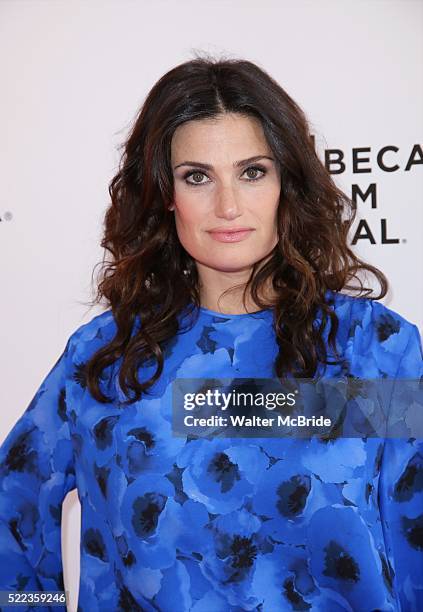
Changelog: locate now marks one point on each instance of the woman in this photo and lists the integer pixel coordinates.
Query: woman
(228, 243)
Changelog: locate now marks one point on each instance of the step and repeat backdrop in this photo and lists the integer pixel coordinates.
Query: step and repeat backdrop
(73, 75)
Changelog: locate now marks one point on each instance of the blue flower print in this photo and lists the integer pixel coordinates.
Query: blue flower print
(282, 581)
(175, 524)
(144, 440)
(337, 560)
(220, 475)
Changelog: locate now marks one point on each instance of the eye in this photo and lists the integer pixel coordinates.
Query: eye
(197, 174)
(255, 169)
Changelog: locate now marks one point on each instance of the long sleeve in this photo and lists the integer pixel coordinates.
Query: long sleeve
(36, 473)
(401, 497)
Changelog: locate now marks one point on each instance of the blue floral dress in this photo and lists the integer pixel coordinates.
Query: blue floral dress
(215, 525)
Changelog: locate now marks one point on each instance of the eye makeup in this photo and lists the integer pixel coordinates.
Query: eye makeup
(256, 167)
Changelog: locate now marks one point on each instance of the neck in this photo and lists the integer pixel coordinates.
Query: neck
(211, 294)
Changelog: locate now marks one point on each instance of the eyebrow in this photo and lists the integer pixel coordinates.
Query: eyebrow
(237, 164)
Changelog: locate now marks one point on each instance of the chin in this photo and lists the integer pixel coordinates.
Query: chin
(229, 265)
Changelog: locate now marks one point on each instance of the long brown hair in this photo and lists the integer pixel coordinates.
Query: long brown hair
(152, 278)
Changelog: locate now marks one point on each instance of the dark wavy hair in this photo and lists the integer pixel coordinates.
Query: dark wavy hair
(151, 278)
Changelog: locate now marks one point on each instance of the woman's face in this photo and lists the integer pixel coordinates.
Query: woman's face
(217, 186)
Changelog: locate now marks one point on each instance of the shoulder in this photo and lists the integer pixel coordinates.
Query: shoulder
(384, 341)
(91, 336)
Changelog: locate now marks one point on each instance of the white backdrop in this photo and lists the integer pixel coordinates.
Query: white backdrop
(74, 73)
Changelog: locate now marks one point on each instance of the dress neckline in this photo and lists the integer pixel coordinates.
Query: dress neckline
(224, 315)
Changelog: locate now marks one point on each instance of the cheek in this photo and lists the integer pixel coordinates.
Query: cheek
(188, 220)
(269, 216)
(185, 212)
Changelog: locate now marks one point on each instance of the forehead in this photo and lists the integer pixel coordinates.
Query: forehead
(232, 132)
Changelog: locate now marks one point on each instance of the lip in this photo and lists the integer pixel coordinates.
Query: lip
(232, 235)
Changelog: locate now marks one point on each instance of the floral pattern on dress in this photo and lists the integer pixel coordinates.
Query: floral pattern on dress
(177, 524)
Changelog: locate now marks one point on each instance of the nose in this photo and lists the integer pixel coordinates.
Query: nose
(227, 204)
